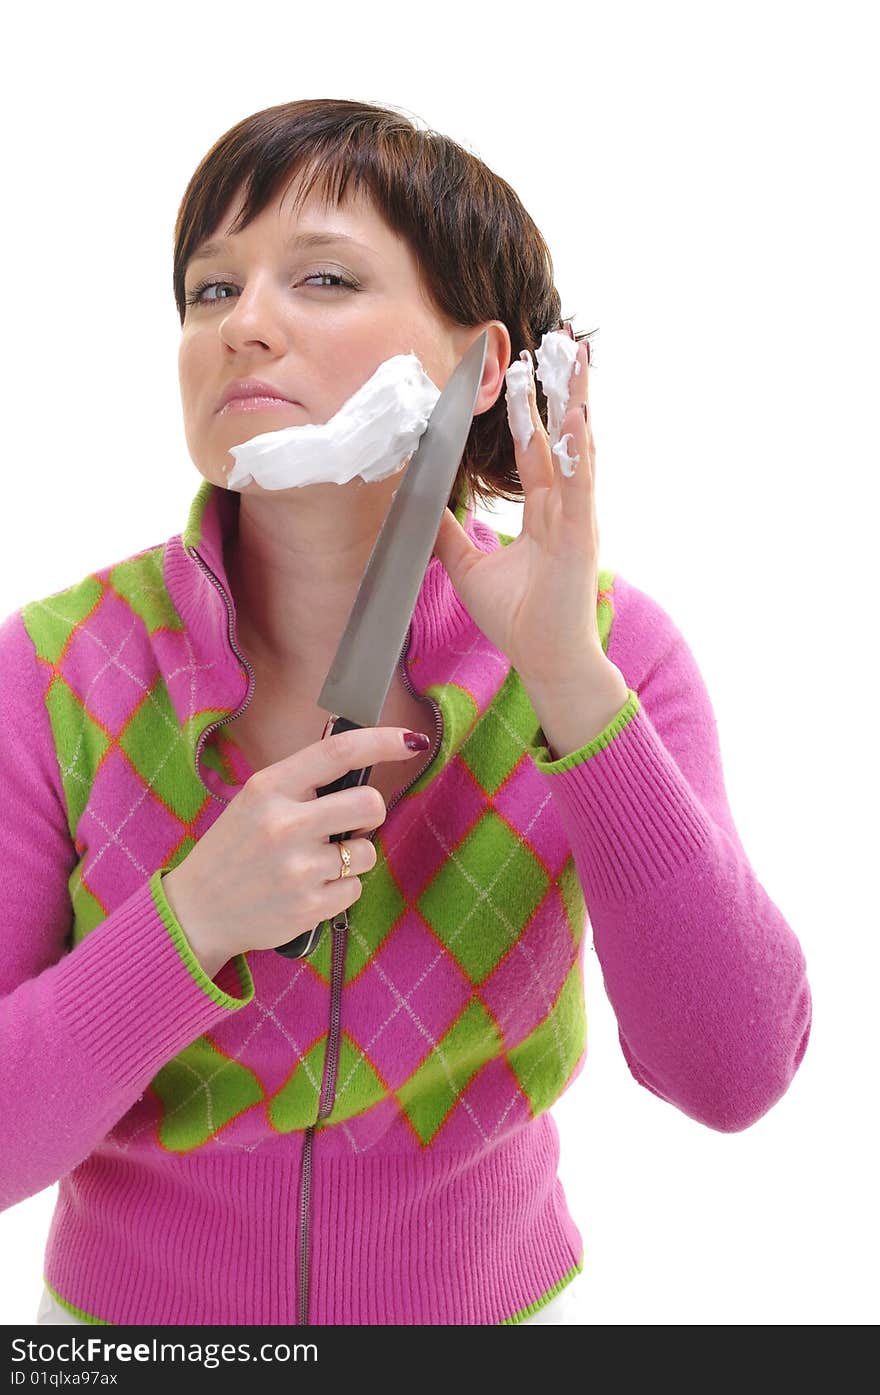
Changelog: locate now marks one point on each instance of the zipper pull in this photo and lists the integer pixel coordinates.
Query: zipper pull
(340, 921)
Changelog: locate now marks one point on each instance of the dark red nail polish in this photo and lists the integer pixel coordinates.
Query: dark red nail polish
(416, 741)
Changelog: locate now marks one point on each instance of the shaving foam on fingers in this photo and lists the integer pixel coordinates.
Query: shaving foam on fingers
(556, 354)
(519, 380)
(566, 455)
(373, 434)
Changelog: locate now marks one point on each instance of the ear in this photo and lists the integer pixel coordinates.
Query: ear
(495, 366)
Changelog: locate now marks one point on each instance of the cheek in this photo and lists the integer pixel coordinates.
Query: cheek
(401, 337)
(342, 369)
(439, 365)
(193, 369)
(435, 351)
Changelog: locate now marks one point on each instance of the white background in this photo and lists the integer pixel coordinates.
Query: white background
(706, 178)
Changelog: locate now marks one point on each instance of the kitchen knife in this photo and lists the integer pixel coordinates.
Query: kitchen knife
(360, 675)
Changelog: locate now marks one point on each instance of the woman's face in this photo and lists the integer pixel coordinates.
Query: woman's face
(275, 311)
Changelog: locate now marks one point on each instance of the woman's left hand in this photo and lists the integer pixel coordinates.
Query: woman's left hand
(535, 599)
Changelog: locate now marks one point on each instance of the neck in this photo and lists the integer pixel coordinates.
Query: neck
(294, 570)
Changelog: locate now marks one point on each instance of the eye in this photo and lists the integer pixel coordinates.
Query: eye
(339, 283)
(195, 295)
(333, 276)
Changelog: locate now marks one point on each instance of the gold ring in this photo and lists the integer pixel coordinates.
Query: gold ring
(345, 870)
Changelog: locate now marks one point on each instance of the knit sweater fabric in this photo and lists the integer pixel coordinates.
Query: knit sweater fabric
(172, 1109)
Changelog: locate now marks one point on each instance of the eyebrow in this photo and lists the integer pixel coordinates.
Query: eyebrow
(305, 240)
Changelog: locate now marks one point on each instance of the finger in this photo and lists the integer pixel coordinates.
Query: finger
(580, 381)
(578, 483)
(582, 399)
(573, 454)
(325, 761)
(362, 858)
(454, 548)
(531, 442)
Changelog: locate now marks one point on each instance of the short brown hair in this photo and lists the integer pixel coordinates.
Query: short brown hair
(480, 255)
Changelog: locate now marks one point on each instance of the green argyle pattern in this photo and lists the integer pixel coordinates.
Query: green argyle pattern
(462, 1008)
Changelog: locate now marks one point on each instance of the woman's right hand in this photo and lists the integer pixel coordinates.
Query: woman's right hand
(265, 871)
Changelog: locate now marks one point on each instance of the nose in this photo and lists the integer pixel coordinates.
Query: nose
(255, 316)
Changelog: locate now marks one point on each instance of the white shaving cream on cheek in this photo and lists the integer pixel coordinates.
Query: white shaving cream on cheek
(373, 434)
(556, 354)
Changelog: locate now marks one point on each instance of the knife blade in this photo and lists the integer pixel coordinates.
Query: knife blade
(363, 666)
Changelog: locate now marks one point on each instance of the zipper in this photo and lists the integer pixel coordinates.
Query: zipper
(438, 724)
(327, 1096)
(325, 1103)
(339, 926)
(401, 666)
(221, 799)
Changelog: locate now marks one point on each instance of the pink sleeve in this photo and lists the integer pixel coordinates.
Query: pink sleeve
(82, 1031)
(706, 978)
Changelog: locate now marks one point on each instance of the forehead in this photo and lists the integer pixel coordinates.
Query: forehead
(304, 219)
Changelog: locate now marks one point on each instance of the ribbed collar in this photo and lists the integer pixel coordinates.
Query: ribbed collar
(207, 608)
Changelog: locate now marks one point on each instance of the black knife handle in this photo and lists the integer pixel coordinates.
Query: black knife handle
(307, 942)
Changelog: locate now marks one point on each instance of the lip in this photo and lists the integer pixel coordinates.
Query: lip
(255, 404)
(243, 390)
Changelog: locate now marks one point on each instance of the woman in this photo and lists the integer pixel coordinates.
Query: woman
(362, 1135)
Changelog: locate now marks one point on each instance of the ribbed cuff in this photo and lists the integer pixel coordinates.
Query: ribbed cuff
(550, 766)
(630, 815)
(232, 985)
(132, 994)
